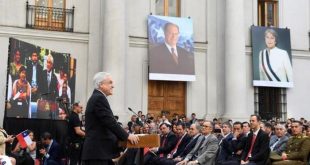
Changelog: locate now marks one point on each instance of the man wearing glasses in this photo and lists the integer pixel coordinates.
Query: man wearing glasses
(205, 149)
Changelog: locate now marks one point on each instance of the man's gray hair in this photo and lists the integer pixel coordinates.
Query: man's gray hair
(281, 126)
(51, 58)
(99, 77)
(198, 126)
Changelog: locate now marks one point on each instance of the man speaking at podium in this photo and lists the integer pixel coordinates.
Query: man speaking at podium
(102, 130)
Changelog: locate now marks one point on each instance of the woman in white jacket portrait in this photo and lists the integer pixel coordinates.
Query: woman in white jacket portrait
(274, 63)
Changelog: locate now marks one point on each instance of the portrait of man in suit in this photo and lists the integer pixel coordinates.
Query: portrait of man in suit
(171, 54)
(48, 88)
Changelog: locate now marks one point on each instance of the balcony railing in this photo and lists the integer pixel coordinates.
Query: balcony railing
(49, 18)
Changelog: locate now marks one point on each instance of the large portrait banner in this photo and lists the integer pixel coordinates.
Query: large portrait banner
(40, 82)
(272, 57)
(171, 48)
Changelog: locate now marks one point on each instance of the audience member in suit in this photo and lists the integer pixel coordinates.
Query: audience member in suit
(34, 74)
(236, 145)
(183, 140)
(269, 129)
(168, 141)
(169, 58)
(298, 148)
(225, 144)
(132, 121)
(205, 149)
(48, 88)
(256, 150)
(102, 130)
(51, 151)
(278, 141)
(194, 119)
(246, 128)
(194, 132)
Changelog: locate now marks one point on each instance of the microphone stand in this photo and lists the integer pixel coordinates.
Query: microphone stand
(139, 119)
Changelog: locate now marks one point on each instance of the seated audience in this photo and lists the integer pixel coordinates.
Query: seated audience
(225, 143)
(297, 150)
(26, 156)
(168, 141)
(278, 141)
(183, 140)
(51, 150)
(5, 140)
(235, 146)
(256, 150)
(205, 149)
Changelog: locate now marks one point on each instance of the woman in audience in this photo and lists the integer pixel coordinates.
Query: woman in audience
(6, 139)
(26, 155)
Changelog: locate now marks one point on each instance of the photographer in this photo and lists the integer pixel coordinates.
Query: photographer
(76, 135)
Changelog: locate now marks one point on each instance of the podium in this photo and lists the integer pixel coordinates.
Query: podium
(145, 140)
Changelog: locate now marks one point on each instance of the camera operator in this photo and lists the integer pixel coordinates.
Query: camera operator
(76, 135)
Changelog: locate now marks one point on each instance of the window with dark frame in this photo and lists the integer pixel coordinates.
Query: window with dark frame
(50, 15)
(268, 13)
(270, 102)
(168, 7)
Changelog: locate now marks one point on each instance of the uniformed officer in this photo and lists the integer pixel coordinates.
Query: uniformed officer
(76, 135)
(298, 148)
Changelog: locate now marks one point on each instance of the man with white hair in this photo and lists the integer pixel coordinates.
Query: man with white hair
(48, 87)
(102, 130)
(278, 141)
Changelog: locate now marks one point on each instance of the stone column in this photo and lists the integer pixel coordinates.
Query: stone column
(114, 51)
(235, 62)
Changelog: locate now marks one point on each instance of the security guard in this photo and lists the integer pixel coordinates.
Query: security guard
(76, 135)
(298, 148)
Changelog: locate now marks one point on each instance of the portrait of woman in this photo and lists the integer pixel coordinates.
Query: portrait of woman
(274, 63)
(272, 57)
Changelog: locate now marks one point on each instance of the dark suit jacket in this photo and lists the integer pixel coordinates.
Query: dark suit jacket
(50, 92)
(102, 130)
(161, 61)
(186, 139)
(54, 153)
(168, 146)
(189, 146)
(225, 148)
(260, 151)
(39, 72)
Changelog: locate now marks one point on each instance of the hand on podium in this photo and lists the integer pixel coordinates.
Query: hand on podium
(134, 139)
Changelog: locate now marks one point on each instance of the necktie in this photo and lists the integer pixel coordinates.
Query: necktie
(162, 145)
(251, 148)
(176, 147)
(48, 79)
(199, 145)
(174, 56)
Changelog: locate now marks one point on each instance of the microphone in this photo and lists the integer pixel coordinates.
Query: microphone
(139, 120)
(47, 93)
(130, 109)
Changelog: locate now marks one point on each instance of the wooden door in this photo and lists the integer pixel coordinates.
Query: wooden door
(166, 96)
